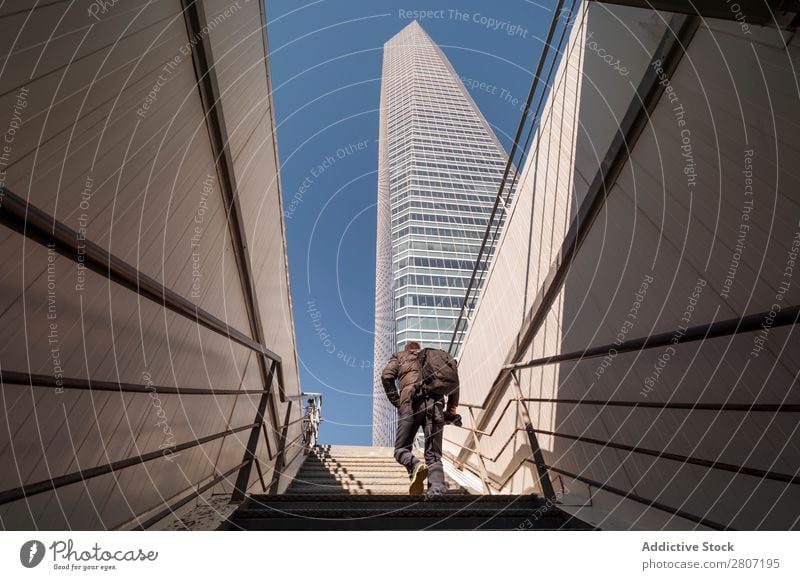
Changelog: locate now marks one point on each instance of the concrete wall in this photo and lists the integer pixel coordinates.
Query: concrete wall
(114, 140)
(665, 244)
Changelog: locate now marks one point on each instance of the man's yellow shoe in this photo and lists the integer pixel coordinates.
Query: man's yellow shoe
(418, 477)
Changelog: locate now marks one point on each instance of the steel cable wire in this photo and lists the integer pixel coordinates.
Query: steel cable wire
(466, 306)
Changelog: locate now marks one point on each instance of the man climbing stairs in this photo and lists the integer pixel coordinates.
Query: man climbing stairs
(363, 488)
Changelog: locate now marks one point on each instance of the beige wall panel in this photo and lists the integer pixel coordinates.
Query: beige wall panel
(148, 170)
(653, 225)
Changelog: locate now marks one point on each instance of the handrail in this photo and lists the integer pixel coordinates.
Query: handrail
(49, 381)
(742, 407)
(741, 469)
(600, 485)
(760, 12)
(761, 474)
(739, 324)
(496, 484)
(38, 226)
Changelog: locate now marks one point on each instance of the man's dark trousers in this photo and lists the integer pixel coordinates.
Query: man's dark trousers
(427, 413)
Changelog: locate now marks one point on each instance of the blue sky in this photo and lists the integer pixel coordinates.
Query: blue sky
(325, 59)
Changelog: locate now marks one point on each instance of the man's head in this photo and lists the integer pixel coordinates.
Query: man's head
(411, 345)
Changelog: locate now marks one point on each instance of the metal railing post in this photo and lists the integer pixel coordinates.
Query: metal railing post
(243, 478)
(481, 465)
(538, 459)
(280, 459)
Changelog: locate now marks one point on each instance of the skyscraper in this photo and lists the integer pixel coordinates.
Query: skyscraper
(439, 169)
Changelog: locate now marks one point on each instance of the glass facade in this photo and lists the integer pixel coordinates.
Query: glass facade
(440, 166)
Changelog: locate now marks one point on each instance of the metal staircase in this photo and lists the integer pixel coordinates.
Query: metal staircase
(363, 488)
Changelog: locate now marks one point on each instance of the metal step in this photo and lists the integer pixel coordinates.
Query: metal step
(356, 450)
(357, 488)
(355, 491)
(329, 479)
(353, 461)
(313, 468)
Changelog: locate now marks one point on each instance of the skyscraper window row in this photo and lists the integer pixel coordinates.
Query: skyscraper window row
(445, 190)
(420, 146)
(416, 141)
(445, 139)
(456, 118)
(455, 168)
(425, 165)
(468, 126)
(440, 263)
(441, 158)
(440, 218)
(446, 233)
(442, 206)
(449, 180)
(444, 195)
(448, 134)
(415, 289)
(424, 115)
(438, 322)
(422, 280)
(448, 185)
(427, 337)
(452, 175)
(475, 157)
(488, 175)
(418, 268)
(424, 112)
(419, 271)
(416, 125)
(423, 335)
(425, 323)
(433, 254)
(432, 162)
(464, 232)
(436, 246)
(474, 154)
(420, 311)
(452, 156)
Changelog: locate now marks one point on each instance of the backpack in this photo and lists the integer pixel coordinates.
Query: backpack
(439, 372)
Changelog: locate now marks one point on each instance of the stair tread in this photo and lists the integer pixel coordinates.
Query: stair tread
(361, 513)
(360, 492)
(531, 499)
